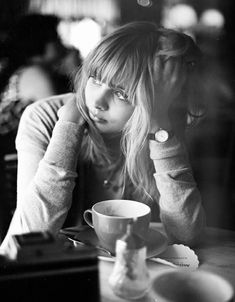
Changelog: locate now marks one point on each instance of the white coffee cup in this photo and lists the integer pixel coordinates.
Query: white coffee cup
(110, 218)
(191, 286)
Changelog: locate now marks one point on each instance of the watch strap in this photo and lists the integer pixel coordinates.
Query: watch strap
(151, 136)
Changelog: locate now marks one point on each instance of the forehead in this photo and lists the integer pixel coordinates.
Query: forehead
(113, 72)
(116, 66)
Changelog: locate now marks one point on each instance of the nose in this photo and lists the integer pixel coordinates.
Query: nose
(102, 99)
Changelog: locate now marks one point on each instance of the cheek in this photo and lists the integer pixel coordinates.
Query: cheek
(87, 96)
(125, 114)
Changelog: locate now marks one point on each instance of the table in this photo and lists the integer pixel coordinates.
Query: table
(216, 253)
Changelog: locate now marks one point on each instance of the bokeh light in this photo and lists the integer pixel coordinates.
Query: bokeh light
(83, 35)
(212, 18)
(181, 16)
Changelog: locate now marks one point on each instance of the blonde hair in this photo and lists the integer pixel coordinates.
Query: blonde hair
(140, 56)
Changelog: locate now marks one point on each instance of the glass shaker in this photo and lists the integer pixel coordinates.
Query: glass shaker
(130, 277)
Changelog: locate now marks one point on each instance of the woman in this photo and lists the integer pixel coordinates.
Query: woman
(120, 136)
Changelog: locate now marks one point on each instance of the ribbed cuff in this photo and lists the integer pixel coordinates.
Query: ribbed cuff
(168, 156)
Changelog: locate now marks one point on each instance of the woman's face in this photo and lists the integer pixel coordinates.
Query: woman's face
(108, 107)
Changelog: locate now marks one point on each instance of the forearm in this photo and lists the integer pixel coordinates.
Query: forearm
(180, 201)
(44, 203)
(47, 199)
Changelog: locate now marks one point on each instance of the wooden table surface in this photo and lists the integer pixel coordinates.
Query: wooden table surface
(216, 253)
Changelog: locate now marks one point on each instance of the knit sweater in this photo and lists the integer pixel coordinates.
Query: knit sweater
(48, 151)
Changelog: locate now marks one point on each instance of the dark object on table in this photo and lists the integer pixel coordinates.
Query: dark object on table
(49, 269)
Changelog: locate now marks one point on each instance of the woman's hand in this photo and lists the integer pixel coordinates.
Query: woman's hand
(170, 106)
(69, 112)
(170, 114)
(160, 116)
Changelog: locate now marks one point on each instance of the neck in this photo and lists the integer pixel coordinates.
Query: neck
(113, 145)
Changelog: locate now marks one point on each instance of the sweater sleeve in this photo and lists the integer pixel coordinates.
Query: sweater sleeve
(49, 195)
(180, 202)
(46, 174)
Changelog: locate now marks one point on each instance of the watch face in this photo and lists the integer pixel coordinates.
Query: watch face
(161, 136)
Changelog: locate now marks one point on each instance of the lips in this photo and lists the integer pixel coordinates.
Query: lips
(97, 119)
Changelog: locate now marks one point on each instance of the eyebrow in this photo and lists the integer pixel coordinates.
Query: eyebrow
(117, 87)
(95, 74)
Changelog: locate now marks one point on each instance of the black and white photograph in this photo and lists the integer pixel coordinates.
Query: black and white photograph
(117, 150)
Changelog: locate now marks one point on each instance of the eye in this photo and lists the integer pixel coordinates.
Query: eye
(121, 95)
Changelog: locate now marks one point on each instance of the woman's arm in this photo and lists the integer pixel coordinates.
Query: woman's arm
(180, 202)
(47, 158)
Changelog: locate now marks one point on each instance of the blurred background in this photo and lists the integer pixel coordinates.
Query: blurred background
(48, 51)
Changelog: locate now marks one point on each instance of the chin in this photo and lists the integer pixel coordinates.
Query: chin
(110, 134)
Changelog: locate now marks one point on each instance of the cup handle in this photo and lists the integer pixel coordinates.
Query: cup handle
(87, 215)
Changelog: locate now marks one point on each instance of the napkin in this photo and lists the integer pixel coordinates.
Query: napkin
(181, 255)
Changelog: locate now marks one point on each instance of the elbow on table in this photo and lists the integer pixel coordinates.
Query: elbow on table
(189, 233)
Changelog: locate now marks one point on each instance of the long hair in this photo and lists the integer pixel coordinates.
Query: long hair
(149, 62)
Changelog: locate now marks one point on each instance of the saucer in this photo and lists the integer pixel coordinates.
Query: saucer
(156, 242)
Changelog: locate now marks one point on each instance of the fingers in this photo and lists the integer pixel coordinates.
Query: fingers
(69, 112)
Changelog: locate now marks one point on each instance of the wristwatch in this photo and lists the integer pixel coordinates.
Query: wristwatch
(161, 135)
